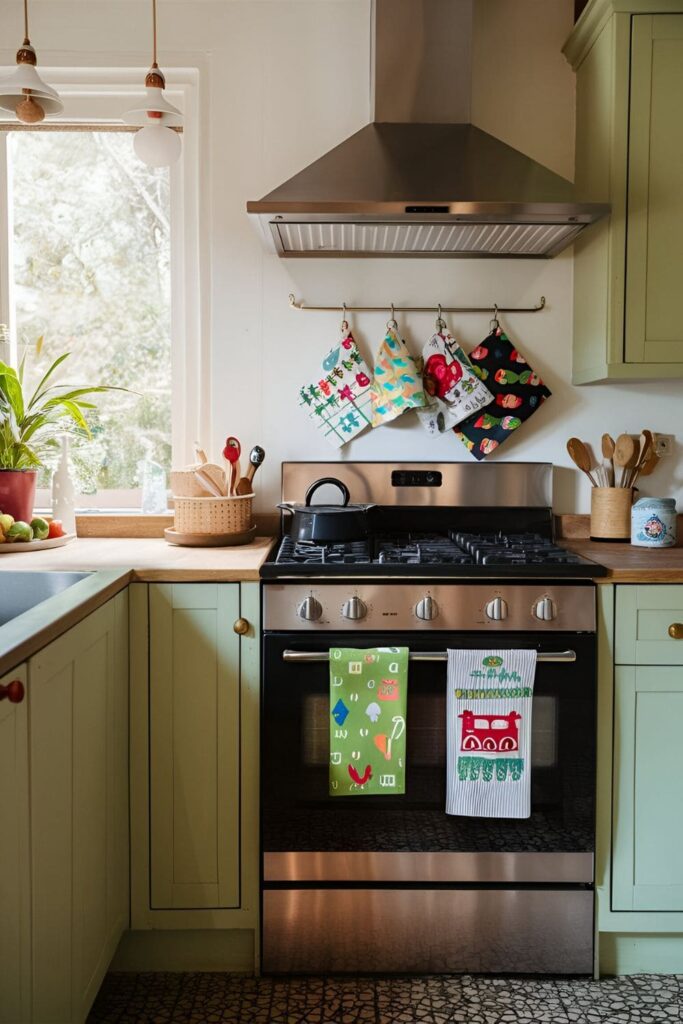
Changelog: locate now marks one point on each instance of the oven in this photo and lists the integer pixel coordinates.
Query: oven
(392, 883)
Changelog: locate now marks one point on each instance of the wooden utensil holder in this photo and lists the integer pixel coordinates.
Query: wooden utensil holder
(611, 513)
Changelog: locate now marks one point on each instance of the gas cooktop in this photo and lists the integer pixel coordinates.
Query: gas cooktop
(435, 521)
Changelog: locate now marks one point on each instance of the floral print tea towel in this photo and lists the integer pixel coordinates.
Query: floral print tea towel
(517, 391)
(488, 732)
(339, 402)
(397, 386)
(453, 389)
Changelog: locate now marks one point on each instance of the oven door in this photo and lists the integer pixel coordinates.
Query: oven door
(307, 836)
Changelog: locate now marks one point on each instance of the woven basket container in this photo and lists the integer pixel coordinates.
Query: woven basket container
(611, 513)
(213, 515)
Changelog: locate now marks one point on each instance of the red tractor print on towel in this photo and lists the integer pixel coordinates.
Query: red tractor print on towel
(489, 732)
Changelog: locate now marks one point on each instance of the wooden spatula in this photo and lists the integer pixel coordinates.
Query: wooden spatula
(625, 455)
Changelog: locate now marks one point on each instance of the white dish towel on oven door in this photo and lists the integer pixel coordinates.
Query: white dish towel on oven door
(488, 733)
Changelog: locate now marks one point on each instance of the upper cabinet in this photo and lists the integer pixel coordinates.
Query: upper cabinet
(629, 152)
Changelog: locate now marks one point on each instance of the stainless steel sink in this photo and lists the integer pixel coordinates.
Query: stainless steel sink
(21, 591)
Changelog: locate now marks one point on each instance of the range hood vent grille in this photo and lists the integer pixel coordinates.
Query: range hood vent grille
(426, 239)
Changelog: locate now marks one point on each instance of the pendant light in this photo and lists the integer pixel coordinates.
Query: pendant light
(24, 91)
(156, 144)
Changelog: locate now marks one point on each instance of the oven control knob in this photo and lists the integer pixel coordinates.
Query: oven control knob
(544, 609)
(427, 609)
(354, 608)
(310, 610)
(496, 609)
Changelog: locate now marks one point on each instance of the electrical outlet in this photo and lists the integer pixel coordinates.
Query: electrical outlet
(664, 444)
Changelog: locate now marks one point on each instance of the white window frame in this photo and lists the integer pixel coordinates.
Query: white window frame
(99, 96)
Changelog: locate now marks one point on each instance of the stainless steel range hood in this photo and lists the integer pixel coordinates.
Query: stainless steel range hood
(420, 181)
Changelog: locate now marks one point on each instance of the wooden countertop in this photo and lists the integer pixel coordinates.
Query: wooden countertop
(628, 564)
(151, 559)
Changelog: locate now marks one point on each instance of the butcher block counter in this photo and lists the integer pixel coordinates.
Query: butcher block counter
(150, 559)
(629, 564)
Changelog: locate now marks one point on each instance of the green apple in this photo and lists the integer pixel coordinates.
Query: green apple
(40, 528)
(20, 532)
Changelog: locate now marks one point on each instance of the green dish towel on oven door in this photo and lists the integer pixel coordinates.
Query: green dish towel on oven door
(368, 701)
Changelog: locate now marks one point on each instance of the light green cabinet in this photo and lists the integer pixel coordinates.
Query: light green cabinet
(647, 872)
(194, 756)
(628, 59)
(78, 755)
(15, 878)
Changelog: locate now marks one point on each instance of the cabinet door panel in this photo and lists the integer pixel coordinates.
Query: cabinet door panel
(648, 799)
(15, 897)
(79, 828)
(194, 746)
(654, 329)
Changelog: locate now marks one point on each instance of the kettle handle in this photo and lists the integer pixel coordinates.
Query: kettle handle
(346, 494)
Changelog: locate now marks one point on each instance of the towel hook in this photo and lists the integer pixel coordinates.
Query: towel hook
(440, 322)
(345, 322)
(494, 324)
(392, 325)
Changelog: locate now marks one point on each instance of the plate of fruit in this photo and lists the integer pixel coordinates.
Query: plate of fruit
(34, 536)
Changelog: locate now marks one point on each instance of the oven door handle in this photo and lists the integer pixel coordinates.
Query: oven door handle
(564, 657)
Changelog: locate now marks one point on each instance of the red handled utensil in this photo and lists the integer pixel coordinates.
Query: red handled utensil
(231, 454)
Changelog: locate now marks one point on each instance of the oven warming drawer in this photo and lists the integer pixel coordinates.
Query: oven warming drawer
(506, 868)
(527, 931)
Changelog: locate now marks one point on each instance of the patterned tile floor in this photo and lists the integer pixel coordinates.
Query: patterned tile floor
(195, 998)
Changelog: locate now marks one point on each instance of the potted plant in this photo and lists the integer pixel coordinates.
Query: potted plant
(28, 428)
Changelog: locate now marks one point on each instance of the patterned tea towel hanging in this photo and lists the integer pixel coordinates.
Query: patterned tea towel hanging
(488, 733)
(397, 386)
(368, 701)
(452, 388)
(517, 392)
(339, 401)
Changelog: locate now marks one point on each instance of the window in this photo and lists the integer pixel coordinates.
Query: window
(96, 256)
(90, 275)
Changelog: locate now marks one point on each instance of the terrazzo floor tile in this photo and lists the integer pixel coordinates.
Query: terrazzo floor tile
(194, 998)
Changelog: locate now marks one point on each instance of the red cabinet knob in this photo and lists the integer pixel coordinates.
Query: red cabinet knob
(13, 692)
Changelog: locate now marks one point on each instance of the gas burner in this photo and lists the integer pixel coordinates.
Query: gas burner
(513, 549)
(420, 549)
(305, 553)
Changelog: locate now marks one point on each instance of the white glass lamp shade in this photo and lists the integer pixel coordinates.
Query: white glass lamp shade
(157, 146)
(25, 78)
(154, 102)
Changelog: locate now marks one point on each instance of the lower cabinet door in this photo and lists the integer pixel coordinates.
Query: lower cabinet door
(648, 789)
(79, 811)
(194, 711)
(15, 896)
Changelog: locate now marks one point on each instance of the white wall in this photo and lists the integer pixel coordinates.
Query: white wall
(285, 81)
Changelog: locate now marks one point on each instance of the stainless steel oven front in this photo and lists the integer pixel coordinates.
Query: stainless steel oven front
(393, 883)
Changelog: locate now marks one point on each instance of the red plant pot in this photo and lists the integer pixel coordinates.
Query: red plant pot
(18, 492)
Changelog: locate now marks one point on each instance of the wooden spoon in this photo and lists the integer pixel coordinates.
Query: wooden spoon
(256, 457)
(579, 455)
(608, 453)
(648, 466)
(625, 455)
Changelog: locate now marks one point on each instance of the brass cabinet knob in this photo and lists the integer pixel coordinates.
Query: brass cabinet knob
(241, 626)
(676, 630)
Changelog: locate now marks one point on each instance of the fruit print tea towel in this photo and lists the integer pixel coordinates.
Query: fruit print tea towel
(452, 388)
(517, 392)
(488, 733)
(368, 701)
(339, 401)
(397, 386)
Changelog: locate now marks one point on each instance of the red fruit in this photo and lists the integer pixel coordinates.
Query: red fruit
(56, 529)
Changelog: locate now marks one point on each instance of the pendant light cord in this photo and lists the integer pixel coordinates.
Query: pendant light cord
(26, 38)
(154, 32)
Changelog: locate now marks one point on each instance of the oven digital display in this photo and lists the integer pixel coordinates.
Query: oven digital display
(416, 478)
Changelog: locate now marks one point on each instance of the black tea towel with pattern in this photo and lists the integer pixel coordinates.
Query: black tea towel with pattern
(517, 393)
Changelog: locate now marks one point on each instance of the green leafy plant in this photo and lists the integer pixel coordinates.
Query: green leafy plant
(28, 424)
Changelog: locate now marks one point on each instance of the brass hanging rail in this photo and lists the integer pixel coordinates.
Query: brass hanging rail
(417, 309)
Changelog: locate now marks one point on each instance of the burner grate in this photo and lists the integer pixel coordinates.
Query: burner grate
(305, 553)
